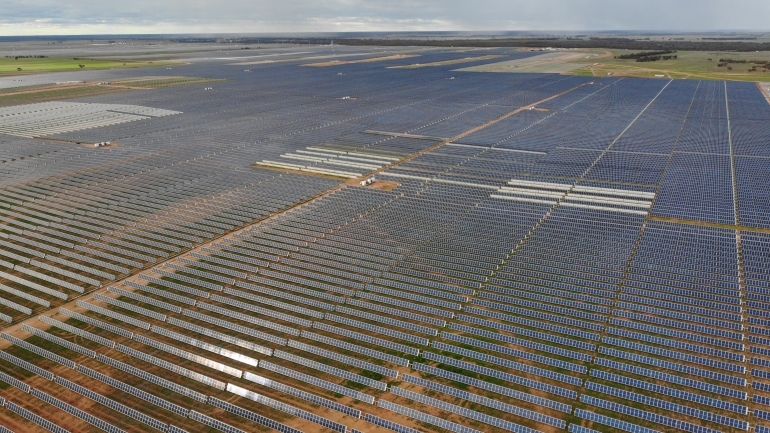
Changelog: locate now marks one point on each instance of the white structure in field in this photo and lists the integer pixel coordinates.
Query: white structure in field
(332, 162)
(567, 194)
(49, 118)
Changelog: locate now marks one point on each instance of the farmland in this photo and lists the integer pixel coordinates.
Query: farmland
(12, 66)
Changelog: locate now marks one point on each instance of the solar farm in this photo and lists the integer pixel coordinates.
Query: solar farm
(372, 246)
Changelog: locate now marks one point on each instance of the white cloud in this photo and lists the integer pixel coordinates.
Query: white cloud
(28, 17)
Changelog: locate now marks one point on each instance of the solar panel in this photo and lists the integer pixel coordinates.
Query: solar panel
(112, 404)
(251, 416)
(35, 418)
(605, 420)
(60, 341)
(517, 353)
(130, 307)
(353, 347)
(220, 336)
(238, 328)
(189, 355)
(91, 321)
(162, 293)
(279, 304)
(145, 299)
(172, 367)
(377, 329)
(152, 378)
(204, 274)
(248, 318)
(14, 382)
(174, 286)
(649, 416)
(213, 423)
(500, 375)
(524, 413)
(390, 425)
(503, 390)
(342, 358)
(38, 350)
(294, 298)
(670, 392)
(85, 416)
(424, 417)
(26, 365)
(261, 310)
(411, 306)
(275, 404)
(134, 391)
(507, 363)
(674, 366)
(317, 382)
(186, 279)
(330, 370)
(654, 402)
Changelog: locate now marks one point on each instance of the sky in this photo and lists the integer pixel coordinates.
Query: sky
(71, 17)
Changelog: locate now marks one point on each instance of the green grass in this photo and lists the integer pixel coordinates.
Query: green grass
(689, 64)
(162, 82)
(56, 95)
(9, 66)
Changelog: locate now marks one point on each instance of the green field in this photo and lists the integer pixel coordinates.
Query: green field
(10, 66)
(689, 64)
(7, 100)
(44, 93)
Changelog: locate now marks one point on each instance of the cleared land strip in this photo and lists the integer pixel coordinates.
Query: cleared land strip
(349, 62)
(446, 62)
(765, 89)
(709, 224)
(405, 135)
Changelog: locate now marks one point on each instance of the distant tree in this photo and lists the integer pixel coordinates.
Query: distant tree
(82, 66)
(18, 69)
(645, 54)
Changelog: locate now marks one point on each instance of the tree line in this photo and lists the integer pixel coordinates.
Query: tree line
(643, 54)
(648, 56)
(654, 58)
(608, 43)
(763, 65)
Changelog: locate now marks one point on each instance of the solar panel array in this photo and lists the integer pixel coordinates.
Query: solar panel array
(597, 264)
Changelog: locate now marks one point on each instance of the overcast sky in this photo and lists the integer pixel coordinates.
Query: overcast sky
(41, 17)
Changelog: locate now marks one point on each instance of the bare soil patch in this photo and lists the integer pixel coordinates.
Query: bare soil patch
(383, 185)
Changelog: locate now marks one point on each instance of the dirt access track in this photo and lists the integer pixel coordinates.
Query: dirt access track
(349, 62)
